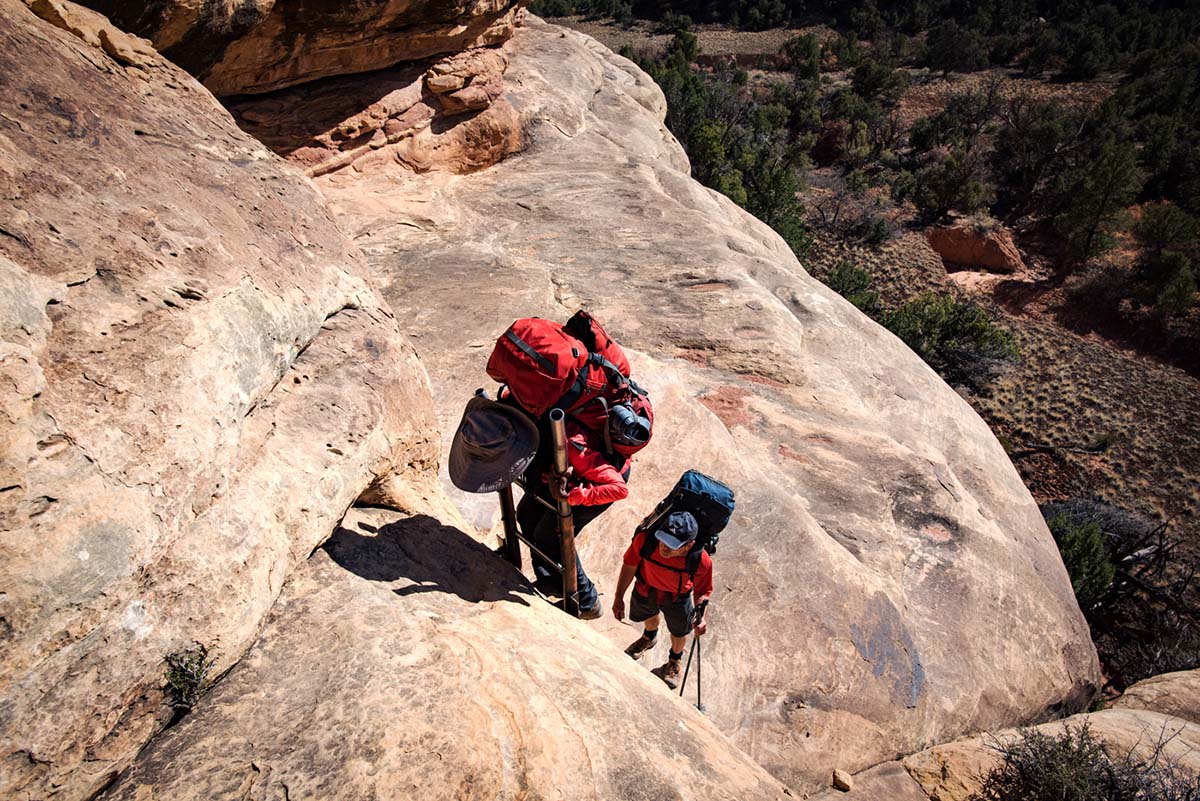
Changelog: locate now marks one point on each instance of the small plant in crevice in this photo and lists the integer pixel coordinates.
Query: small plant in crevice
(188, 677)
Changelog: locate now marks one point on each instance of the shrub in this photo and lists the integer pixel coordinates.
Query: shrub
(949, 47)
(1179, 293)
(1086, 559)
(1073, 766)
(672, 23)
(552, 8)
(854, 284)
(956, 338)
(187, 676)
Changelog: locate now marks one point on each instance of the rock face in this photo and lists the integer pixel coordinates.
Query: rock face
(198, 380)
(965, 244)
(1176, 694)
(403, 660)
(887, 582)
(250, 46)
(955, 772)
(420, 116)
(1164, 709)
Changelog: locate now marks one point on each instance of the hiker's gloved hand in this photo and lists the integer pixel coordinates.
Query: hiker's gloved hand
(618, 609)
(559, 486)
(700, 626)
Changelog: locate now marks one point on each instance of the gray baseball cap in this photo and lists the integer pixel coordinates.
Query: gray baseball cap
(677, 530)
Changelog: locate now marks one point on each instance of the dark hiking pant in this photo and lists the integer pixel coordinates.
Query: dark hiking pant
(540, 525)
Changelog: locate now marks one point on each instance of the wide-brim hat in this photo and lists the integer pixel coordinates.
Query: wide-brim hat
(677, 530)
(493, 446)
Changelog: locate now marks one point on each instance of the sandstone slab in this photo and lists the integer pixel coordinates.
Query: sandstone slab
(250, 46)
(198, 379)
(1176, 694)
(403, 661)
(887, 583)
(886, 782)
(955, 771)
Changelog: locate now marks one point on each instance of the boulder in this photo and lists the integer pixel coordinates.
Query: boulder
(986, 247)
(250, 46)
(1176, 694)
(887, 582)
(404, 660)
(198, 380)
(438, 115)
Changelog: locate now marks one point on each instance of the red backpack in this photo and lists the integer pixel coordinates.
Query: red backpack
(575, 367)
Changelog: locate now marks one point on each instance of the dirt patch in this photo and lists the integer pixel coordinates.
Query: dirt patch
(728, 403)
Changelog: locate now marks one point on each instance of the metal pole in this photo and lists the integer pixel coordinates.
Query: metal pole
(508, 514)
(566, 522)
(699, 662)
(688, 667)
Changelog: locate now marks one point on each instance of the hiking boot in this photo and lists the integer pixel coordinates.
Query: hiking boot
(640, 646)
(549, 586)
(669, 672)
(591, 612)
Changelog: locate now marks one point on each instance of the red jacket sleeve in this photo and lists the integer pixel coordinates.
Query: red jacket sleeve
(600, 481)
(702, 585)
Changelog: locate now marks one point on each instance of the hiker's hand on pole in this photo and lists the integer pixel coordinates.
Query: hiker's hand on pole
(559, 488)
(700, 626)
(618, 609)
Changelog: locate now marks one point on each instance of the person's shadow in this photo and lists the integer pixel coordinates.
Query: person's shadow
(434, 557)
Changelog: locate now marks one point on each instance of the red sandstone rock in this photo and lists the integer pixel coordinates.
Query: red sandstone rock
(447, 116)
(967, 245)
(252, 46)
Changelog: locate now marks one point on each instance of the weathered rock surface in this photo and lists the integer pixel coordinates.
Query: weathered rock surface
(250, 46)
(422, 116)
(198, 380)
(403, 660)
(886, 782)
(1163, 709)
(888, 582)
(968, 245)
(1176, 694)
(955, 771)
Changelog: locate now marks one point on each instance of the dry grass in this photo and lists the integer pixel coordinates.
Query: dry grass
(928, 92)
(715, 40)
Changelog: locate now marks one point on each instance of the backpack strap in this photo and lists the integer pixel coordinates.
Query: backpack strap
(528, 350)
(646, 554)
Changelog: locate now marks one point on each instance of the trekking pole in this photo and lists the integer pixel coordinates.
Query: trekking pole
(688, 667)
(508, 515)
(700, 610)
(566, 522)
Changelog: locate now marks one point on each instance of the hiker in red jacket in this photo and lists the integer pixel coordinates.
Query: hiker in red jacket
(596, 481)
(665, 584)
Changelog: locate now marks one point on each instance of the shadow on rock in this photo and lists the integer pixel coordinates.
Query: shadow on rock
(426, 556)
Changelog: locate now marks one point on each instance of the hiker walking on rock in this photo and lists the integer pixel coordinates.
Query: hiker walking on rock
(667, 582)
(595, 482)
